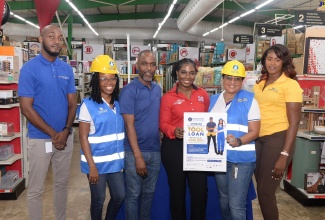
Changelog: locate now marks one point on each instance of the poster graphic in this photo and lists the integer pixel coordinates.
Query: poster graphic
(205, 141)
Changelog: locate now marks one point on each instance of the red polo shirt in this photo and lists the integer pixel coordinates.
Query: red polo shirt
(174, 104)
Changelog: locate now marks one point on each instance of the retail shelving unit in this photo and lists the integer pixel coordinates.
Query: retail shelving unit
(11, 113)
(309, 153)
(158, 78)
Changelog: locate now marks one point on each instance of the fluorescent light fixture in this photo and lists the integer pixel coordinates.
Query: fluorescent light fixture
(166, 17)
(23, 19)
(297, 27)
(205, 34)
(214, 30)
(234, 19)
(262, 36)
(263, 4)
(247, 13)
(224, 25)
(81, 15)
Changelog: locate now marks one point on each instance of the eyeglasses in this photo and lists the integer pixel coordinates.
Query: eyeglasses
(111, 80)
(231, 78)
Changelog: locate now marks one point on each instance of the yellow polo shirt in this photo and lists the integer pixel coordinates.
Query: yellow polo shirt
(272, 101)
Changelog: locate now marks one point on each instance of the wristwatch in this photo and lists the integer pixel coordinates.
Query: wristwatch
(69, 129)
(239, 142)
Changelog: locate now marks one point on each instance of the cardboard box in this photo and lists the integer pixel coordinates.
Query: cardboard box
(300, 38)
(292, 50)
(290, 34)
(314, 183)
(6, 101)
(300, 48)
(6, 93)
(299, 65)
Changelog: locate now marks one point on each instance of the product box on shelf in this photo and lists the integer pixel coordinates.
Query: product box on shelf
(6, 151)
(10, 179)
(8, 93)
(6, 101)
(314, 183)
(6, 129)
(3, 170)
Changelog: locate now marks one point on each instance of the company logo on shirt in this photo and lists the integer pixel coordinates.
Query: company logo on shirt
(200, 98)
(102, 111)
(64, 77)
(273, 90)
(179, 101)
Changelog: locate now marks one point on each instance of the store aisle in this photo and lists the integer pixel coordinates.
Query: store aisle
(78, 200)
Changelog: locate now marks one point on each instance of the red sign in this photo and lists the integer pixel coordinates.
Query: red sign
(88, 49)
(232, 53)
(184, 52)
(135, 50)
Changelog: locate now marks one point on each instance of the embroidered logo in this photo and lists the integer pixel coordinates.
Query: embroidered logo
(273, 89)
(179, 101)
(200, 98)
(102, 111)
(64, 77)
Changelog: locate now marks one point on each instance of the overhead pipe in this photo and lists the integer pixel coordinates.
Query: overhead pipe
(194, 12)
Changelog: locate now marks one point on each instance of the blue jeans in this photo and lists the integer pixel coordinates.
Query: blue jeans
(115, 182)
(138, 187)
(233, 191)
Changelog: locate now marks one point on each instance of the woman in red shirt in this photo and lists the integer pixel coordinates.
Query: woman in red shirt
(183, 97)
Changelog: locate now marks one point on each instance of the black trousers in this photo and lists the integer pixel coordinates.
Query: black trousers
(172, 158)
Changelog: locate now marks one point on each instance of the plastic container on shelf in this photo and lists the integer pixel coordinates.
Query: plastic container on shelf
(6, 151)
(10, 179)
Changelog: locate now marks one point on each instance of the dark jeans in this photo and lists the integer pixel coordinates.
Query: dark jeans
(115, 182)
(172, 158)
(214, 142)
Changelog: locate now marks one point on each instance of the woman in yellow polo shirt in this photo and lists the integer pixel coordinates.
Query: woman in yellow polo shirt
(280, 98)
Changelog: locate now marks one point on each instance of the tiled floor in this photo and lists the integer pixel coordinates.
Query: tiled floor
(78, 200)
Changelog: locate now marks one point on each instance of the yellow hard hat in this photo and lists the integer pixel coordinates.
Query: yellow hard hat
(104, 64)
(234, 68)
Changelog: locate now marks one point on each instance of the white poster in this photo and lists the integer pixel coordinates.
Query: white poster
(250, 53)
(205, 141)
(277, 40)
(188, 52)
(237, 54)
(90, 52)
(136, 49)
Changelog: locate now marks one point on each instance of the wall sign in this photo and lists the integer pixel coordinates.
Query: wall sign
(269, 29)
(309, 18)
(243, 39)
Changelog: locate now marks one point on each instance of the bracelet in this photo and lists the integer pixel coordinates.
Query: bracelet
(285, 153)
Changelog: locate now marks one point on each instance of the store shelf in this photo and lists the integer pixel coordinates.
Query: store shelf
(12, 194)
(9, 106)
(302, 196)
(11, 160)
(310, 135)
(10, 138)
(8, 82)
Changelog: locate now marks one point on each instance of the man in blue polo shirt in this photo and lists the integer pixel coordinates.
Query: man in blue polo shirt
(47, 97)
(140, 104)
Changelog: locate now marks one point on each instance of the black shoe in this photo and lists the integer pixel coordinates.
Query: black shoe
(221, 152)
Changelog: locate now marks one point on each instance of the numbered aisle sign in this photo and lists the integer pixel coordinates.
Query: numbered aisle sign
(309, 18)
(269, 29)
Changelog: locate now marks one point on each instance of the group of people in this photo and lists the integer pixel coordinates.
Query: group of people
(120, 138)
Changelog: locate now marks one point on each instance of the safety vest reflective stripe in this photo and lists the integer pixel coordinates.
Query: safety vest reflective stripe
(107, 158)
(106, 138)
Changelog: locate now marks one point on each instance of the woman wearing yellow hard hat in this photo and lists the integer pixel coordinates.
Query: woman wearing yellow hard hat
(101, 134)
(243, 124)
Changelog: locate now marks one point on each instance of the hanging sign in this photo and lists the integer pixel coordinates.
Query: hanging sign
(164, 47)
(136, 49)
(188, 52)
(269, 29)
(120, 47)
(309, 18)
(207, 49)
(243, 39)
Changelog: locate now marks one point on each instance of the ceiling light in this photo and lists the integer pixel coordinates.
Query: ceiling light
(81, 15)
(166, 17)
(205, 34)
(234, 19)
(300, 26)
(225, 24)
(247, 13)
(263, 4)
(23, 19)
(214, 30)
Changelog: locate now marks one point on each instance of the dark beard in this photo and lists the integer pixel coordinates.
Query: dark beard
(52, 54)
